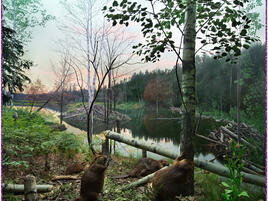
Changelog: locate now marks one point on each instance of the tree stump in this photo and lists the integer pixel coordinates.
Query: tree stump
(30, 189)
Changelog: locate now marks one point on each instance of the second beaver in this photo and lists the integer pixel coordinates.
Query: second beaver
(144, 167)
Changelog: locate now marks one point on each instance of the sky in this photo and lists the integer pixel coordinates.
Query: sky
(43, 49)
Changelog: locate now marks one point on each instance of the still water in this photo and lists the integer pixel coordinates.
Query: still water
(162, 128)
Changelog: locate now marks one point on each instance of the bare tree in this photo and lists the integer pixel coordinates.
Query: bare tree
(34, 90)
(86, 37)
(57, 88)
(93, 49)
(63, 78)
(115, 47)
(116, 56)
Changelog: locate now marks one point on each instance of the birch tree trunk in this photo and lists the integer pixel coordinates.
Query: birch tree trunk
(188, 89)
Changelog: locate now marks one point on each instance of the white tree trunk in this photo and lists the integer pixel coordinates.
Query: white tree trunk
(19, 188)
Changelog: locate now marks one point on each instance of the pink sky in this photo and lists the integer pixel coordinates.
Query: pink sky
(42, 48)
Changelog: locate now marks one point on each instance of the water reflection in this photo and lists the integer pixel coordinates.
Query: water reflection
(163, 128)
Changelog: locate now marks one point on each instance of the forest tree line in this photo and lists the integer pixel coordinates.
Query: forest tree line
(216, 87)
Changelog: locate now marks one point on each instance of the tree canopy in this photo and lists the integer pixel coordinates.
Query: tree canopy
(13, 64)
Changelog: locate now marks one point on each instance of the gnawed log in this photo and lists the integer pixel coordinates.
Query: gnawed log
(245, 169)
(152, 147)
(233, 135)
(210, 140)
(65, 177)
(141, 181)
(19, 188)
(255, 164)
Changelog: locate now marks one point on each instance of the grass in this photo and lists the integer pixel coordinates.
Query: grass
(210, 187)
(130, 106)
(31, 134)
(120, 106)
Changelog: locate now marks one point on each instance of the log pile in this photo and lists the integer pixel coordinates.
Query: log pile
(220, 140)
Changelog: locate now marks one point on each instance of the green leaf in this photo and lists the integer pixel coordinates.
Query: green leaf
(244, 193)
(225, 184)
(243, 32)
(114, 23)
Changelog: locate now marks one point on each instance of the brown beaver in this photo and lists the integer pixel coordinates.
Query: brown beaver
(93, 179)
(167, 183)
(144, 167)
(75, 168)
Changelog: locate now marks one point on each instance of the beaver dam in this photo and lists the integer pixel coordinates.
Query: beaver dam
(219, 141)
(98, 112)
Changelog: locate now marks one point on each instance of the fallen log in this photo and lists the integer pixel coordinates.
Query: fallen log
(231, 134)
(141, 181)
(210, 140)
(256, 165)
(152, 147)
(248, 170)
(65, 177)
(19, 188)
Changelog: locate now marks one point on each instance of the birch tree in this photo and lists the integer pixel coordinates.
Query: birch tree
(89, 37)
(23, 15)
(220, 27)
(86, 31)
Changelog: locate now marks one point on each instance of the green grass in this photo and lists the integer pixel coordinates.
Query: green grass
(31, 134)
(210, 187)
(120, 106)
(130, 106)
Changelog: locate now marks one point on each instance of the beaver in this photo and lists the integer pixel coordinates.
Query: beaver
(167, 183)
(75, 168)
(93, 179)
(144, 167)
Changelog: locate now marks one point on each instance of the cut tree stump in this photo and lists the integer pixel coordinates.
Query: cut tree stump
(30, 189)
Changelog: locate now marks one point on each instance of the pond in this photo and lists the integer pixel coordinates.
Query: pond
(162, 127)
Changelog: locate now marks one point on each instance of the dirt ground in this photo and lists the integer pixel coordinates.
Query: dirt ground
(64, 190)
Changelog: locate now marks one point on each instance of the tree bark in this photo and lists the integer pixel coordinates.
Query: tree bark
(188, 89)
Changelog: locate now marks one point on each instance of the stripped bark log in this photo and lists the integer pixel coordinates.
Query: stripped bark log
(210, 140)
(152, 147)
(141, 181)
(65, 177)
(19, 188)
(231, 134)
(254, 166)
(245, 169)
